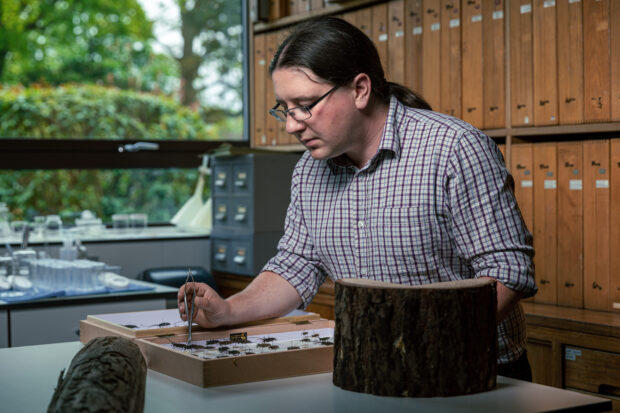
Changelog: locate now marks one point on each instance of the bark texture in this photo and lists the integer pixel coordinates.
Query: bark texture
(424, 341)
(107, 375)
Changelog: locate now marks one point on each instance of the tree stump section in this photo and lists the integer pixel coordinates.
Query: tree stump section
(107, 375)
(415, 341)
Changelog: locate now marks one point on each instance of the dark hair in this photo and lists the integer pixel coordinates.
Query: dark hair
(337, 51)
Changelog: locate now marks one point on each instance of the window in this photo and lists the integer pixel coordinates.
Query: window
(82, 82)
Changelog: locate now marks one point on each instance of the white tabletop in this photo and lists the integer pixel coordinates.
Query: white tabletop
(29, 375)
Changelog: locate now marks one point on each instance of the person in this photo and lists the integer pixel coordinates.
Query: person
(387, 190)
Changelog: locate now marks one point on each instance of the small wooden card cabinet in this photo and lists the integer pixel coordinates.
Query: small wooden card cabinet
(241, 368)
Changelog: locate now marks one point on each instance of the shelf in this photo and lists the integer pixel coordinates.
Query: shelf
(333, 8)
(577, 319)
(582, 128)
(282, 148)
(579, 129)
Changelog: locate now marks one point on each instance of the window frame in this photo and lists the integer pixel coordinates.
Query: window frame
(79, 153)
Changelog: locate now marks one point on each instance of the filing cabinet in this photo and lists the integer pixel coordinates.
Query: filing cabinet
(251, 194)
(244, 254)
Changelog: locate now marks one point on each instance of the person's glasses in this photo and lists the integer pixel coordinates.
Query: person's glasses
(298, 113)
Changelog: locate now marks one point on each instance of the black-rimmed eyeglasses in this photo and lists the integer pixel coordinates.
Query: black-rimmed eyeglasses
(300, 112)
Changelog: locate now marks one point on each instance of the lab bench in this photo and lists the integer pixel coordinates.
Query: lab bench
(39, 367)
(152, 247)
(55, 320)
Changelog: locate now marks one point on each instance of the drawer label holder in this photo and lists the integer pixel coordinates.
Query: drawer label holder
(571, 353)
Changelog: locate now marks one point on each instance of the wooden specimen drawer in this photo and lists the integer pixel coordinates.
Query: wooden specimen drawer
(592, 371)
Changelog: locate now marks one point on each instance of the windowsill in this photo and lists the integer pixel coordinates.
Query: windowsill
(111, 235)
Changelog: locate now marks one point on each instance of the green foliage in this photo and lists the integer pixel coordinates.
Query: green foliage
(74, 111)
(55, 57)
(101, 113)
(158, 192)
(215, 30)
(60, 41)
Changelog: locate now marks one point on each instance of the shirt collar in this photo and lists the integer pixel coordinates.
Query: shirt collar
(389, 145)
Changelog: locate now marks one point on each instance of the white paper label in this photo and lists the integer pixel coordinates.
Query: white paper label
(499, 14)
(476, 18)
(571, 353)
(399, 33)
(435, 27)
(455, 23)
(383, 37)
(573, 1)
(417, 30)
(549, 3)
(602, 183)
(261, 62)
(551, 184)
(526, 8)
(575, 184)
(526, 119)
(527, 183)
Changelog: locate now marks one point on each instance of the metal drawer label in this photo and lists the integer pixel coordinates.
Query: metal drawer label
(571, 353)
(575, 184)
(550, 184)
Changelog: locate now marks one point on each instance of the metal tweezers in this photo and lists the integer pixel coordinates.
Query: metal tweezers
(189, 310)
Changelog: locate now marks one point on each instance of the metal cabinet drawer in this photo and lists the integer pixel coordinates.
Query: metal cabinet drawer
(242, 214)
(241, 258)
(222, 211)
(592, 370)
(221, 252)
(242, 179)
(222, 179)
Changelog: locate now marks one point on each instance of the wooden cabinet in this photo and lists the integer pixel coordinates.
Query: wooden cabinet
(535, 66)
(592, 370)
(502, 57)
(323, 302)
(575, 349)
(568, 348)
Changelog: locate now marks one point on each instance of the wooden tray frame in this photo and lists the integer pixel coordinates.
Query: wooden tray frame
(225, 371)
(129, 332)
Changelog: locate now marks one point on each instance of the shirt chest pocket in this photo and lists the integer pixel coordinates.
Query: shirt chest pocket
(404, 239)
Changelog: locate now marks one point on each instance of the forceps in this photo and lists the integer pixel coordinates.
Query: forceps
(189, 309)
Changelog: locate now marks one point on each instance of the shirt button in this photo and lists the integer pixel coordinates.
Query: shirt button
(360, 224)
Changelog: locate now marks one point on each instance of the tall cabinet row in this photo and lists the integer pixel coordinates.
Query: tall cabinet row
(541, 77)
(497, 64)
(528, 71)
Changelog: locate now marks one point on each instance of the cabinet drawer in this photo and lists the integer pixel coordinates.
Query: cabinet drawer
(592, 370)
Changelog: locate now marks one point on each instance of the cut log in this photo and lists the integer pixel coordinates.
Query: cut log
(107, 375)
(415, 341)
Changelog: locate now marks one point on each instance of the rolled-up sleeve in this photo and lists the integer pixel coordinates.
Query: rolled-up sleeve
(296, 259)
(487, 224)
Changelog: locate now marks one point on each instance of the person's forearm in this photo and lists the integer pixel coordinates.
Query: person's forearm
(506, 300)
(268, 295)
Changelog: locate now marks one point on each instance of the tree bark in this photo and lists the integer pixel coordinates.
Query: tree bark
(107, 375)
(415, 341)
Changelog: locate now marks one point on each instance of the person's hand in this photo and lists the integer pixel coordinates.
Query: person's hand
(210, 310)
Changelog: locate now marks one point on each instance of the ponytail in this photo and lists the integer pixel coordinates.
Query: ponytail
(337, 51)
(405, 96)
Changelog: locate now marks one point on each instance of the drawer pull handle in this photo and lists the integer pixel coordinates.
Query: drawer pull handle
(545, 282)
(609, 390)
(595, 285)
